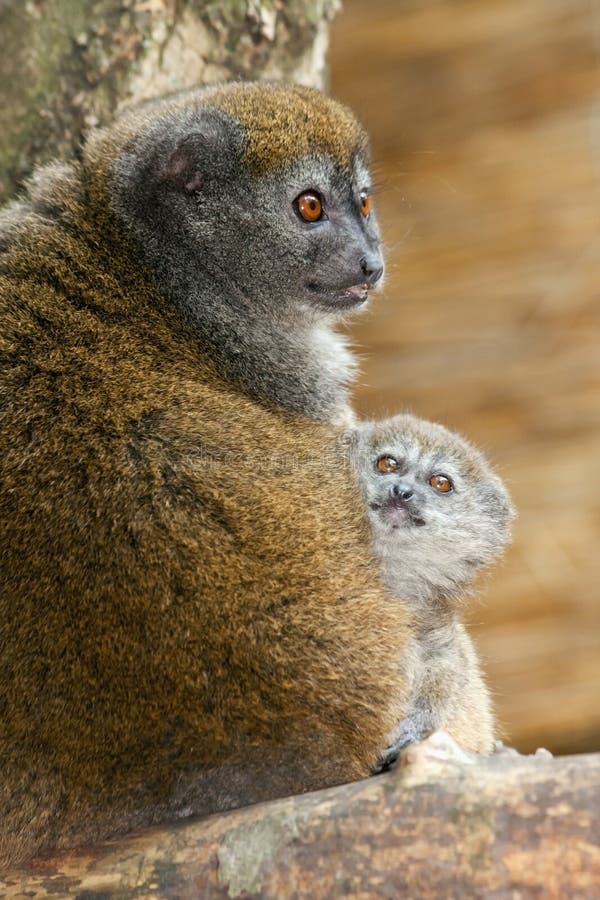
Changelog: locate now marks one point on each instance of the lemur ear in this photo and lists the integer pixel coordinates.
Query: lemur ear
(209, 145)
(187, 164)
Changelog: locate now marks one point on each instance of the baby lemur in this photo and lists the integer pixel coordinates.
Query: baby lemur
(438, 513)
(190, 617)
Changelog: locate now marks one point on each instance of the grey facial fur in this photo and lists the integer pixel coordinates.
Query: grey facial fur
(431, 546)
(260, 287)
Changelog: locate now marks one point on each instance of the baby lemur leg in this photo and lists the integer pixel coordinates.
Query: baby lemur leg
(448, 693)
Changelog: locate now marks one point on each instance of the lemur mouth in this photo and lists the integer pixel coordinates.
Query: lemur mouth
(398, 513)
(342, 298)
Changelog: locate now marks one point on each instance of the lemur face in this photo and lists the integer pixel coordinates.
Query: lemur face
(418, 476)
(265, 190)
(409, 489)
(320, 234)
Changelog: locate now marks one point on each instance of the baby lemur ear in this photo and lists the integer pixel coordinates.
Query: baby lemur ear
(348, 442)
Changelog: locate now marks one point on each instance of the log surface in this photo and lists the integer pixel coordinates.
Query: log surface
(514, 827)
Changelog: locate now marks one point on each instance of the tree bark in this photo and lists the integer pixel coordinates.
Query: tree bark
(68, 65)
(438, 826)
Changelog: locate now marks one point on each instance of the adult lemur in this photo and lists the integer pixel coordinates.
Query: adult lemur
(190, 618)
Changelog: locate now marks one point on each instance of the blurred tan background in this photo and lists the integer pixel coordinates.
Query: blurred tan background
(485, 122)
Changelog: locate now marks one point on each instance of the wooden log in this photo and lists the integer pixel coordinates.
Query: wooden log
(436, 826)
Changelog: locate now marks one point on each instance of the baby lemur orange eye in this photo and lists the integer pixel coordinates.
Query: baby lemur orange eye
(310, 206)
(441, 483)
(365, 204)
(386, 464)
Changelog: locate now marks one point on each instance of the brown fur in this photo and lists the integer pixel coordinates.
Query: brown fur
(189, 615)
(310, 123)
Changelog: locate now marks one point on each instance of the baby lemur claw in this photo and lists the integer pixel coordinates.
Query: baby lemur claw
(404, 736)
(386, 760)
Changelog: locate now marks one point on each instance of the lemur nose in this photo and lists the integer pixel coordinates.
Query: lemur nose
(401, 492)
(372, 268)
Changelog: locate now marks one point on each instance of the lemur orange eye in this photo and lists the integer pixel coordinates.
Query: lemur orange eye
(441, 483)
(310, 206)
(365, 204)
(386, 464)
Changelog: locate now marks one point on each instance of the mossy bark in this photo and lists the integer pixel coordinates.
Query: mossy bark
(68, 65)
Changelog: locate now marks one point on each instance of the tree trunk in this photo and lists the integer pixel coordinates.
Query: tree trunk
(436, 827)
(67, 65)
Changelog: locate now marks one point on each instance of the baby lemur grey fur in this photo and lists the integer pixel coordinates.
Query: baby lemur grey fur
(438, 514)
